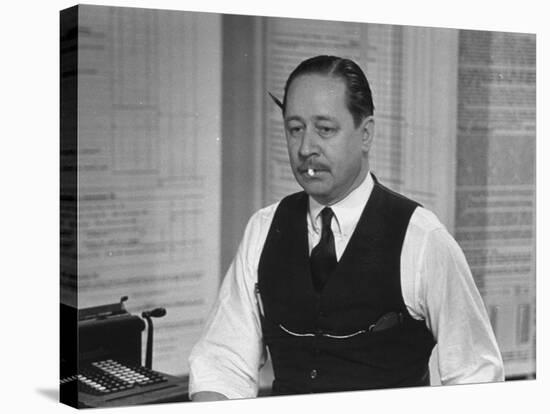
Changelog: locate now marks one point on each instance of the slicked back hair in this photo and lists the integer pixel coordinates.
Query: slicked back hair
(358, 92)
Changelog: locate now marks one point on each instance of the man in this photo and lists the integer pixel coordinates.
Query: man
(347, 285)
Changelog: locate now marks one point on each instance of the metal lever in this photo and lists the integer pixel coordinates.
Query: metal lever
(147, 315)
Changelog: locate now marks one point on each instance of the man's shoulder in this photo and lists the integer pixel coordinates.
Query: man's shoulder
(422, 219)
(260, 221)
(394, 203)
(264, 214)
(268, 212)
(425, 221)
(256, 230)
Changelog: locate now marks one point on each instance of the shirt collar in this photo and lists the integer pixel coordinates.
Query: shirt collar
(347, 211)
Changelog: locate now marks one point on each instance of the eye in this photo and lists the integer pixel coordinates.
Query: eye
(326, 130)
(295, 130)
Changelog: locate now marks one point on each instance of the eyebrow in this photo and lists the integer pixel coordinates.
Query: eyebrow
(315, 118)
(324, 118)
(293, 118)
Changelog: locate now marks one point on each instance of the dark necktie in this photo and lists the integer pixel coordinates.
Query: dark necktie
(323, 256)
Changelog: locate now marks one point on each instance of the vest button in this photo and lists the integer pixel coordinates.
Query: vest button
(313, 374)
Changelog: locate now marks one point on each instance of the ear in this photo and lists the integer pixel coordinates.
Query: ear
(367, 127)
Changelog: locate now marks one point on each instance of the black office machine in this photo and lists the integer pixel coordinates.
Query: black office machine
(109, 371)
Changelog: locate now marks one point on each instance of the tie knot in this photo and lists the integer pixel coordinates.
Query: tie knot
(326, 217)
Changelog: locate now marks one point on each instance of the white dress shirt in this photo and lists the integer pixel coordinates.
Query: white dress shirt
(436, 284)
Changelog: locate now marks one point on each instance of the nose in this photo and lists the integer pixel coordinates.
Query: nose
(308, 144)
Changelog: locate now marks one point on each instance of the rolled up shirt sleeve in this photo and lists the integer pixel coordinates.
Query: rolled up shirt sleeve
(230, 352)
(455, 313)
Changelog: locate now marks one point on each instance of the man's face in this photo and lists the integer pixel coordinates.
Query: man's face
(328, 154)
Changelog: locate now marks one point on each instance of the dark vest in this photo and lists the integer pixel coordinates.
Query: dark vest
(323, 342)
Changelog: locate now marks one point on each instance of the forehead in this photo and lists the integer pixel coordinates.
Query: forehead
(317, 95)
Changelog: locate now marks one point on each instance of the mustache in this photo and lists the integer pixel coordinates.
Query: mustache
(313, 165)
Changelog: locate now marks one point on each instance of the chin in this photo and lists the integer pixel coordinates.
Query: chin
(316, 192)
(317, 188)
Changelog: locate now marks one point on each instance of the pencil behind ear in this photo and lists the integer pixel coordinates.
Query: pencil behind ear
(276, 100)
